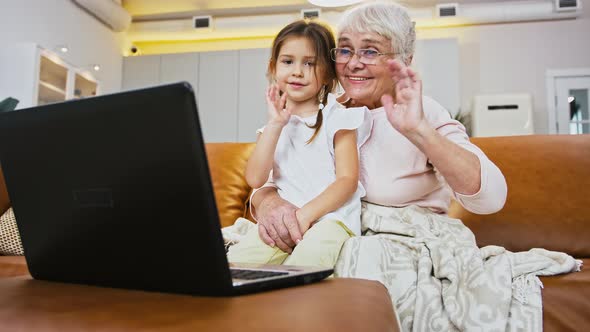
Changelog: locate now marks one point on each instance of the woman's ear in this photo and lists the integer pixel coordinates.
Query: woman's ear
(410, 60)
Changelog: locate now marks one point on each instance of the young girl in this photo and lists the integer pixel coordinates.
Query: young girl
(311, 149)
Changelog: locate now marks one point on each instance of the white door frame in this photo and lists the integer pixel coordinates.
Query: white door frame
(550, 77)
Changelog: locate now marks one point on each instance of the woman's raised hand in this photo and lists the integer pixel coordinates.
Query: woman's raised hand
(277, 114)
(405, 113)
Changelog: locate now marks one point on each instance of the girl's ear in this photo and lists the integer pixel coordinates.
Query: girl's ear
(270, 76)
(270, 72)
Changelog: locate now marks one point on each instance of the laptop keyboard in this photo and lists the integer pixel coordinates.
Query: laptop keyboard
(254, 274)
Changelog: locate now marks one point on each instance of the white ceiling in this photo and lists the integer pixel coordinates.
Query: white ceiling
(142, 10)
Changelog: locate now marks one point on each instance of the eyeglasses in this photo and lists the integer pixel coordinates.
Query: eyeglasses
(365, 55)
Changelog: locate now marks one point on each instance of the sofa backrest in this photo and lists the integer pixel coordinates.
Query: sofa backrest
(548, 202)
(227, 162)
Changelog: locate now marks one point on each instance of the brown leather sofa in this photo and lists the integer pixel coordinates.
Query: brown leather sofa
(548, 206)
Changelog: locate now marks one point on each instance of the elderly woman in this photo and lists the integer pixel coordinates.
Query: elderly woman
(416, 159)
(416, 154)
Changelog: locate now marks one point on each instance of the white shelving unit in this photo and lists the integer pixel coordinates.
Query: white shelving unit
(36, 76)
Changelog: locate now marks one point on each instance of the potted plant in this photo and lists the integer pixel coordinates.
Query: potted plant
(8, 104)
(465, 119)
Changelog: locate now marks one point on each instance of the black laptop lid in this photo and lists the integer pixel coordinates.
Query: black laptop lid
(115, 190)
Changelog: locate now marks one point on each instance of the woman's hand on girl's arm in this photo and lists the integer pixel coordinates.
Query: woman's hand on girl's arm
(342, 189)
(277, 224)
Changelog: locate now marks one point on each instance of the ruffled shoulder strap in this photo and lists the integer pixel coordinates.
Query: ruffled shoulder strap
(337, 117)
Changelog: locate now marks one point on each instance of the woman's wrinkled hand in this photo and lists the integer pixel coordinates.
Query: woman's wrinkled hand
(405, 114)
(277, 223)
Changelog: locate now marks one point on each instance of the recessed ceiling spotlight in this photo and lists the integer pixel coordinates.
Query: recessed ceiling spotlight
(333, 3)
(63, 48)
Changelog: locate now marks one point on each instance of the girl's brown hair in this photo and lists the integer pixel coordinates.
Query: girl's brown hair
(322, 40)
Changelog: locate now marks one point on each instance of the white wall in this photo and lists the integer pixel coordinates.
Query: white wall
(513, 58)
(55, 22)
(440, 73)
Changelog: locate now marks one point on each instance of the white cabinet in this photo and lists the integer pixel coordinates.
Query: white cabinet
(218, 95)
(151, 70)
(252, 112)
(141, 71)
(36, 76)
(229, 87)
(180, 67)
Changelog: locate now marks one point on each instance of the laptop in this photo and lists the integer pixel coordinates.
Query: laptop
(115, 191)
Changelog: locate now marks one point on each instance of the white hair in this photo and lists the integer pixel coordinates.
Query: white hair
(386, 18)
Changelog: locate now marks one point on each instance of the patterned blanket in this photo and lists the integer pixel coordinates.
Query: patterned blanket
(439, 280)
(437, 277)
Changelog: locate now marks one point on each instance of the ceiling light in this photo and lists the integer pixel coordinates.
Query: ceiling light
(333, 3)
(63, 48)
(96, 67)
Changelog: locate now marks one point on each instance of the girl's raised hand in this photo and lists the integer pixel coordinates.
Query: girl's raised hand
(405, 114)
(277, 114)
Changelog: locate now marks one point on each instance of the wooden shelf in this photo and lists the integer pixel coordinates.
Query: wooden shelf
(53, 88)
(53, 72)
(84, 87)
(39, 76)
(49, 93)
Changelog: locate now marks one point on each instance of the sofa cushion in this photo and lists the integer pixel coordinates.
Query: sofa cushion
(566, 301)
(548, 189)
(227, 162)
(10, 243)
